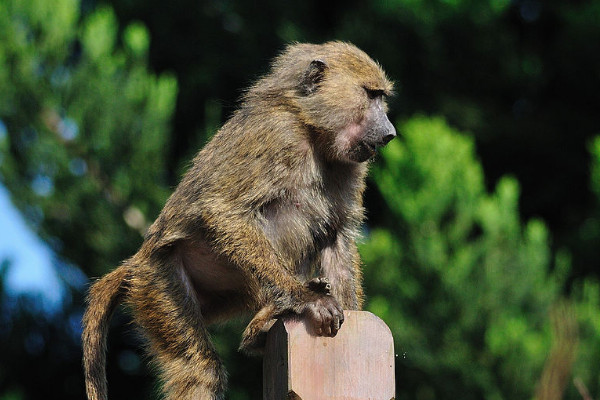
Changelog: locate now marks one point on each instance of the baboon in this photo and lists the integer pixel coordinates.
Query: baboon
(264, 221)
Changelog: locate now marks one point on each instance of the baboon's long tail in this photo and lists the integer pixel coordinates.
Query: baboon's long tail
(103, 298)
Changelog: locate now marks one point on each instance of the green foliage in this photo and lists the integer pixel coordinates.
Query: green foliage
(465, 286)
(587, 296)
(84, 134)
(86, 127)
(587, 291)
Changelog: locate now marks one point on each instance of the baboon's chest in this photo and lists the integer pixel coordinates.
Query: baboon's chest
(301, 223)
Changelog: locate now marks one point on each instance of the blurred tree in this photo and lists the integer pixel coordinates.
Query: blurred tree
(39, 350)
(465, 287)
(587, 292)
(83, 136)
(85, 128)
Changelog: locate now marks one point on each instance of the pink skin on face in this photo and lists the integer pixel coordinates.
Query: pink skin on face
(348, 137)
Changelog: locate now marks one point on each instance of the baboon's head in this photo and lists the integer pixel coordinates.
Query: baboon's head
(340, 94)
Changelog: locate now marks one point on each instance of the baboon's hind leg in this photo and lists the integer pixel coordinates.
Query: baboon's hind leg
(169, 314)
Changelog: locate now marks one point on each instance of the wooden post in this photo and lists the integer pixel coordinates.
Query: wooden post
(357, 364)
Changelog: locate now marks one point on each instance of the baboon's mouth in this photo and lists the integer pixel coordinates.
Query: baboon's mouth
(371, 148)
(363, 151)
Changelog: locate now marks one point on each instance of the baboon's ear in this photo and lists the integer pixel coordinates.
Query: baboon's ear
(313, 76)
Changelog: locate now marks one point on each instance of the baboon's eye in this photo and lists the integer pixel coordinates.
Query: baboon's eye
(374, 93)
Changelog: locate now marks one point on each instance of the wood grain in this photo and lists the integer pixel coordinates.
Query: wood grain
(356, 364)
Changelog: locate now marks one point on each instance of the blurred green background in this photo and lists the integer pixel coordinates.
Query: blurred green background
(482, 244)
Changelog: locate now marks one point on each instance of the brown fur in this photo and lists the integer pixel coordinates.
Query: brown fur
(274, 199)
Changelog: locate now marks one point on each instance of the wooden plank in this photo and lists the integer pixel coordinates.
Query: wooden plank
(356, 364)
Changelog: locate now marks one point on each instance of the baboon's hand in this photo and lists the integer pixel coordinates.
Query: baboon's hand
(322, 311)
